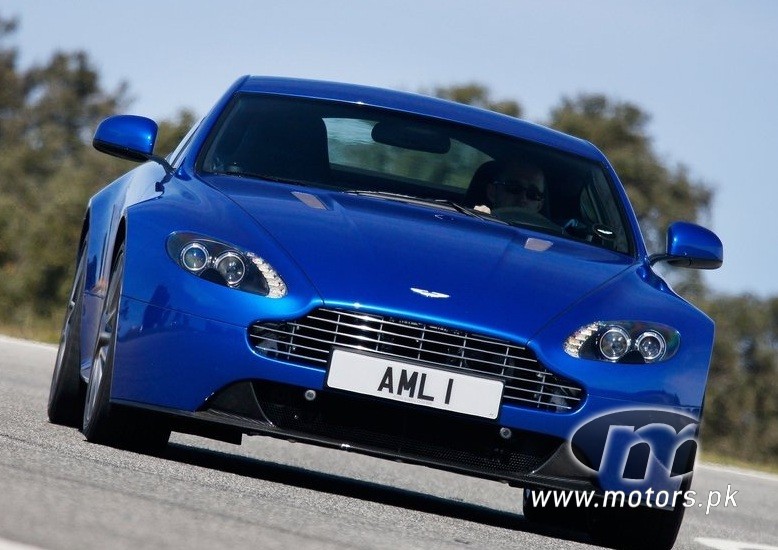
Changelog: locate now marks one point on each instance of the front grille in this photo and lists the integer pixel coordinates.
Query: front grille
(310, 340)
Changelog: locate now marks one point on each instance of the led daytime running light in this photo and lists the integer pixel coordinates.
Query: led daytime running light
(276, 286)
(576, 341)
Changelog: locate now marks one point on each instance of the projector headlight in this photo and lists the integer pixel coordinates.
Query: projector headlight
(225, 264)
(614, 343)
(231, 267)
(195, 257)
(624, 342)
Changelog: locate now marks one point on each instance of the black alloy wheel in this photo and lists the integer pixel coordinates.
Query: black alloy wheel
(67, 391)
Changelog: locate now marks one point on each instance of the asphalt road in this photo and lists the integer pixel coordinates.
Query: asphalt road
(58, 491)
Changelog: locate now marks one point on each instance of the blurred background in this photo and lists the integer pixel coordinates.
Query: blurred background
(682, 97)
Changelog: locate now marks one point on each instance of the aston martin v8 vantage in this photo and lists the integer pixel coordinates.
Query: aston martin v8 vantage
(396, 275)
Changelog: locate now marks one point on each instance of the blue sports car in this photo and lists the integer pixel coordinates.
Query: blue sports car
(395, 275)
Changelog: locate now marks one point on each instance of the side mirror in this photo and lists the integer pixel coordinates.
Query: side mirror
(690, 245)
(129, 137)
(126, 136)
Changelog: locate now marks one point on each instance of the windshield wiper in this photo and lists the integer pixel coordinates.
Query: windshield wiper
(411, 199)
(268, 177)
(383, 195)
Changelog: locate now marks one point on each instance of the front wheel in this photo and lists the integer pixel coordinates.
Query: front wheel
(559, 508)
(637, 528)
(66, 394)
(104, 422)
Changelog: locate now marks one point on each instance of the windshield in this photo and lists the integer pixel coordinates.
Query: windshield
(395, 156)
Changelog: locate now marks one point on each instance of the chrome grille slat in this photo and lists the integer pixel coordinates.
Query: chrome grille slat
(296, 356)
(416, 348)
(310, 340)
(387, 333)
(427, 328)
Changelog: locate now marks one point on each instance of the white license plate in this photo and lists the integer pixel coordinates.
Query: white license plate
(411, 383)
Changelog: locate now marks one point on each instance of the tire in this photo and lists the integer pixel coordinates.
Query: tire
(104, 422)
(67, 391)
(638, 528)
(568, 517)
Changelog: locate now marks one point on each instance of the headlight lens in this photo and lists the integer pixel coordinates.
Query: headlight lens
(231, 267)
(225, 264)
(624, 342)
(614, 343)
(651, 345)
(195, 257)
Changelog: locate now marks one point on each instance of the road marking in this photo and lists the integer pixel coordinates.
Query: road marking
(724, 544)
(31, 343)
(739, 471)
(11, 545)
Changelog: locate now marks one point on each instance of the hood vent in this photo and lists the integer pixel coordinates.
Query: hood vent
(309, 200)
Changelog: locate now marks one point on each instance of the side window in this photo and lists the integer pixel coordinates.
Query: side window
(598, 206)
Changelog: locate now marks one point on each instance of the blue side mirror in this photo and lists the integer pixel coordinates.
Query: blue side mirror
(126, 136)
(689, 245)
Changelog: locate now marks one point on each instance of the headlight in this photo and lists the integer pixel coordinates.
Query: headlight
(195, 257)
(231, 267)
(651, 345)
(225, 264)
(624, 342)
(614, 343)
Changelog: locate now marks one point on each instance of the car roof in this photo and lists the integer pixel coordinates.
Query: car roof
(419, 104)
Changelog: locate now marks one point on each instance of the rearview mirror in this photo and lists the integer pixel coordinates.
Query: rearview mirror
(409, 136)
(690, 245)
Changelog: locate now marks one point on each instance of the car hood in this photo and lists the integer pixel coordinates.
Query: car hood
(429, 263)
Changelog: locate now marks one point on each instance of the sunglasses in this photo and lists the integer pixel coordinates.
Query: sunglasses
(532, 192)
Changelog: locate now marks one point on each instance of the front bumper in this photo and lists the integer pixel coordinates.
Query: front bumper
(206, 377)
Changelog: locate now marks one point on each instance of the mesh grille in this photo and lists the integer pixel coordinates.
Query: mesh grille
(309, 341)
(422, 434)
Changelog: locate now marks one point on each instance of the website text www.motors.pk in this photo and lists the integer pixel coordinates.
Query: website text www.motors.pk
(633, 499)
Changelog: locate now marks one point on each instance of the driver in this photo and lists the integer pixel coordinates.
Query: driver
(518, 185)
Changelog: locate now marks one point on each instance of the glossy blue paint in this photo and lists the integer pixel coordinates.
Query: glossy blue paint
(126, 136)
(689, 245)
(183, 338)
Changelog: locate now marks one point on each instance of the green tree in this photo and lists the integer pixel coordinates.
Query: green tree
(48, 170)
(10, 85)
(741, 409)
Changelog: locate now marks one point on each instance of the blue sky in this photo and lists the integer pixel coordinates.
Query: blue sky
(706, 72)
